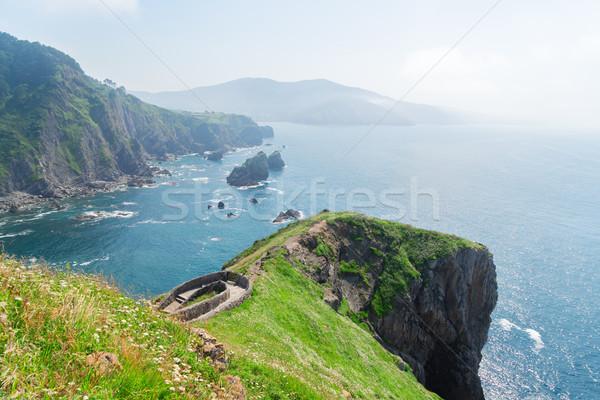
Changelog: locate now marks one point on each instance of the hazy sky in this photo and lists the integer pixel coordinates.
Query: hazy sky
(537, 60)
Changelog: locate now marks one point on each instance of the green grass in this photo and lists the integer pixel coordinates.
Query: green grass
(284, 342)
(300, 343)
(50, 321)
(208, 295)
(306, 344)
(408, 249)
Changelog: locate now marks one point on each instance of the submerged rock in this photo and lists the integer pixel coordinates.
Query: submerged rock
(253, 200)
(56, 206)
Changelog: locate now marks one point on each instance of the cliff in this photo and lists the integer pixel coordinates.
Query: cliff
(422, 295)
(63, 133)
(340, 304)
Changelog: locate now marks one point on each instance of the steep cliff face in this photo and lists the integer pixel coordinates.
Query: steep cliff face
(61, 131)
(425, 296)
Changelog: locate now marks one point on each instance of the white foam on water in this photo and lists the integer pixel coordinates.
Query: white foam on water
(108, 214)
(42, 214)
(532, 333)
(128, 203)
(151, 221)
(260, 184)
(201, 179)
(276, 190)
(536, 337)
(22, 233)
(507, 325)
(215, 239)
(105, 258)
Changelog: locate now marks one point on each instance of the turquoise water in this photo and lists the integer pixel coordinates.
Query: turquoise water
(530, 194)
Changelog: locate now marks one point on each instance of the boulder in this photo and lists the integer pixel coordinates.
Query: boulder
(275, 161)
(253, 200)
(221, 205)
(56, 206)
(103, 362)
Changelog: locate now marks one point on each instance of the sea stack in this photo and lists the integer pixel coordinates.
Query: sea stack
(253, 170)
(214, 156)
(275, 161)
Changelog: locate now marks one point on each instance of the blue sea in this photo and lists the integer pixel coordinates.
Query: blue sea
(531, 194)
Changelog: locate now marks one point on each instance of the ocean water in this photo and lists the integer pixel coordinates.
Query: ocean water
(531, 194)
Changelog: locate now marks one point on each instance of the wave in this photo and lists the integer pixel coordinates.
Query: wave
(276, 190)
(105, 258)
(536, 337)
(129, 203)
(42, 214)
(201, 179)
(151, 221)
(507, 325)
(260, 184)
(532, 333)
(215, 239)
(22, 233)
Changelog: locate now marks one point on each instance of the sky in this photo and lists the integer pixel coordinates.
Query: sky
(533, 62)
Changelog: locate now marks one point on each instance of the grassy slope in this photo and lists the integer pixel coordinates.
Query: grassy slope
(284, 342)
(50, 321)
(287, 326)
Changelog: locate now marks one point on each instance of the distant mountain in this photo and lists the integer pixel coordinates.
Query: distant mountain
(62, 132)
(316, 101)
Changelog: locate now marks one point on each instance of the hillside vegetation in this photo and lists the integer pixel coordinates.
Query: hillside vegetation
(61, 128)
(287, 324)
(285, 342)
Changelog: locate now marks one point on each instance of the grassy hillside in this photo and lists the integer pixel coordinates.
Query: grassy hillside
(287, 325)
(284, 342)
(51, 321)
(61, 127)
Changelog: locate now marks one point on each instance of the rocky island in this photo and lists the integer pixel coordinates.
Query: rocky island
(275, 161)
(255, 169)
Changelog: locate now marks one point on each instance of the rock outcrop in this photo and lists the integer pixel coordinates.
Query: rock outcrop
(427, 297)
(275, 161)
(289, 214)
(214, 156)
(248, 174)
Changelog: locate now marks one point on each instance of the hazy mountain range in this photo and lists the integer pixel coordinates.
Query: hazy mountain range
(316, 101)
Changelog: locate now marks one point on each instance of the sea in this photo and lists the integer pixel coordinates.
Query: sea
(529, 193)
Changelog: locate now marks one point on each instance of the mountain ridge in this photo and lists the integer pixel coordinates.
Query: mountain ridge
(314, 101)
